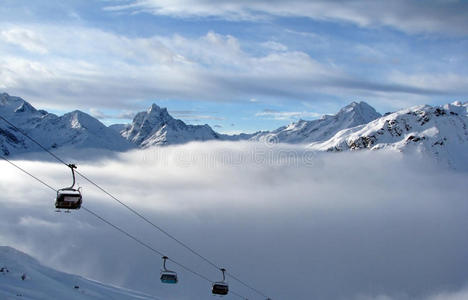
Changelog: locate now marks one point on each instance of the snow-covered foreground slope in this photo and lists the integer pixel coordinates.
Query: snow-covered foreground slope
(322, 129)
(156, 127)
(43, 283)
(440, 132)
(75, 129)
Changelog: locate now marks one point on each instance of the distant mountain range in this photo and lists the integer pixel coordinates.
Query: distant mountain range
(153, 127)
(75, 129)
(438, 131)
(43, 283)
(303, 132)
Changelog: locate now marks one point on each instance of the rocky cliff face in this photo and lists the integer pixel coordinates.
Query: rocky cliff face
(157, 127)
(440, 131)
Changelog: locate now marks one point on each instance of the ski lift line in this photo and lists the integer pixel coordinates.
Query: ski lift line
(156, 251)
(121, 230)
(246, 285)
(149, 221)
(168, 234)
(26, 172)
(114, 198)
(137, 213)
(238, 295)
(144, 244)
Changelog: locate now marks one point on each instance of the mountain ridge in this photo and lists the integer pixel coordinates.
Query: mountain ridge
(303, 132)
(74, 129)
(156, 126)
(437, 131)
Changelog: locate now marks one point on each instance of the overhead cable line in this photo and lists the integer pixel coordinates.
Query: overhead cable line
(139, 241)
(210, 262)
(34, 141)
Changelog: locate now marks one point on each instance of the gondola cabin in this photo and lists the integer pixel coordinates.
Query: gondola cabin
(68, 199)
(169, 277)
(220, 288)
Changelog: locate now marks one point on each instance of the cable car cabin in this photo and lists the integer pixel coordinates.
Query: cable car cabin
(169, 277)
(68, 199)
(220, 288)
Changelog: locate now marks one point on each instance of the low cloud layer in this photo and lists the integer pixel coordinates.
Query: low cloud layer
(295, 224)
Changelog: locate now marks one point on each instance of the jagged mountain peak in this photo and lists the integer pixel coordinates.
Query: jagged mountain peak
(302, 131)
(360, 110)
(5, 97)
(352, 106)
(152, 116)
(12, 103)
(156, 126)
(79, 119)
(75, 129)
(25, 107)
(156, 108)
(439, 131)
(161, 112)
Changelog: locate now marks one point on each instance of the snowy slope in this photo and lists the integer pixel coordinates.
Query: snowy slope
(43, 283)
(75, 129)
(156, 127)
(303, 132)
(440, 132)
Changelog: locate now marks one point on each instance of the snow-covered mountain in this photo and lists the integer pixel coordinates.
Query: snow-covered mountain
(43, 283)
(152, 127)
(303, 132)
(440, 131)
(156, 127)
(75, 129)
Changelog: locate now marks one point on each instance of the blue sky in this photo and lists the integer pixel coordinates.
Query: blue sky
(237, 65)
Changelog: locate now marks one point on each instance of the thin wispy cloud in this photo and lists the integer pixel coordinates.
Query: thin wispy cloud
(24, 38)
(286, 115)
(447, 17)
(275, 46)
(128, 115)
(212, 67)
(194, 115)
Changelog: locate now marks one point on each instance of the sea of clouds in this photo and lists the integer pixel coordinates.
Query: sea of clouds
(293, 223)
